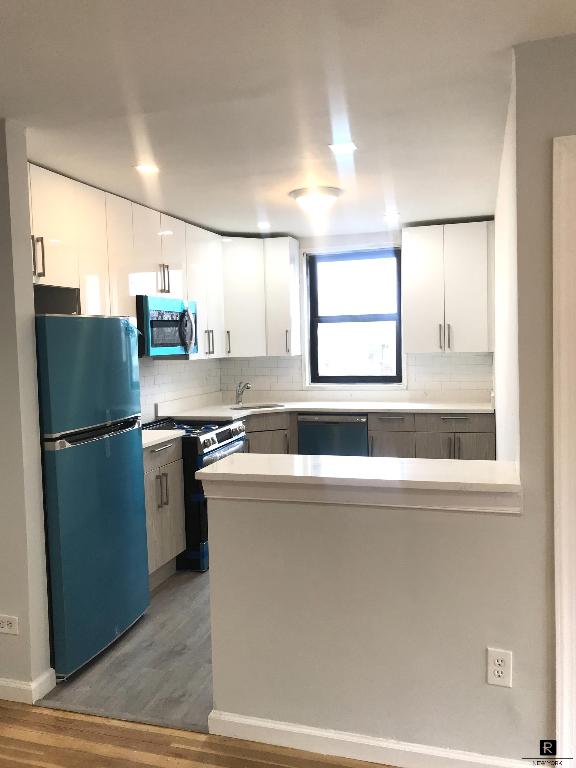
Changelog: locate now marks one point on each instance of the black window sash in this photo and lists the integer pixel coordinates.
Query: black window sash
(316, 319)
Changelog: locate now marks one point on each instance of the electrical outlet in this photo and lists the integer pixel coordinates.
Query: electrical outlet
(499, 667)
(9, 625)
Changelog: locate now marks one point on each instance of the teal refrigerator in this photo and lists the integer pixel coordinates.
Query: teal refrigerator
(89, 393)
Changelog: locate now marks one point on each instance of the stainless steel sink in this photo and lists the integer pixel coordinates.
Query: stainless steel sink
(255, 406)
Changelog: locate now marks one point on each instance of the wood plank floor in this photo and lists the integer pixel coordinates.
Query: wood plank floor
(160, 672)
(37, 737)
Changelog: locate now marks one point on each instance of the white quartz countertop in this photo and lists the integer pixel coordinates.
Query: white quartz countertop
(367, 472)
(221, 411)
(152, 437)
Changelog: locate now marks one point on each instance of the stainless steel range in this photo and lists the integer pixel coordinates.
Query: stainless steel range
(202, 445)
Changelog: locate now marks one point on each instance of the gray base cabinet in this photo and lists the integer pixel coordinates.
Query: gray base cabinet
(164, 497)
(433, 436)
(271, 441)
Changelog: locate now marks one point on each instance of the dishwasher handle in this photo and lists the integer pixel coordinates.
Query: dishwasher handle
(332, 419)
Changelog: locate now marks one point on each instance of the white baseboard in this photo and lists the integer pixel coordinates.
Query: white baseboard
(352, 745)
(27, 692)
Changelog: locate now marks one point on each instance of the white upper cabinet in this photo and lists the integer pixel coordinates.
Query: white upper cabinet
(68, 222)
(172, 234)
(466, 286)
(89, 232)
(282, 279)
(124, 268)
(52, 212)
(244, 297)
(445, 288)
(150, 279)
(206, 287)
(423, 289)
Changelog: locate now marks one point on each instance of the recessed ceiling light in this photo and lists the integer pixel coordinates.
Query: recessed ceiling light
(343, 148)
(263, 226)
(392, 218)
(226, 239)
(316, 201)
(165, 232)
(147, 169)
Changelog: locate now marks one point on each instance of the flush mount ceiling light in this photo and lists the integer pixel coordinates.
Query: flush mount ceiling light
(226, 239)
(316, 201)
(343, 148)
(263, 226)
(165, 232)
(147, 169)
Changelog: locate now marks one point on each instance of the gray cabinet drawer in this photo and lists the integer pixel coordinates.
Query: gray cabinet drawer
(262, 422)
(158, 455)
(399, 445)
(455, 422)
(391, 422)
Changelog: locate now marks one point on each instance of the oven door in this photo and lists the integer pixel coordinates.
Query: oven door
(236, 446)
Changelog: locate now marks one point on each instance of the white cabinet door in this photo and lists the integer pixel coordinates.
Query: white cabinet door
(150, 279)
(206, 288)
(466, 286)
(52, 201)
(88, 232)
(423, 289)
(124, 269)
(173, 255)
(282, 275)
(244, 297)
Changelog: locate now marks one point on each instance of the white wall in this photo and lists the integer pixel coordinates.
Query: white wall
(506, 298)
(162, 380)
(25, 670)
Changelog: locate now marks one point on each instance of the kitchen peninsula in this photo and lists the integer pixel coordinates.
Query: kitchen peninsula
(359, 578)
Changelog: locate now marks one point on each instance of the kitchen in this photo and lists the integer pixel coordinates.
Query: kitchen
(285, 437)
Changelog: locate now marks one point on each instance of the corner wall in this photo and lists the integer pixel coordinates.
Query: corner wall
(25, 673)
(506, 297)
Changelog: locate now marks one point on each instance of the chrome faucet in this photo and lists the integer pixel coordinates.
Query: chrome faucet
(242, 385)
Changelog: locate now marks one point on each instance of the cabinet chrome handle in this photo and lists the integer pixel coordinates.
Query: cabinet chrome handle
(229, 350)
(42, 273)
(163, 448)
(161, 271)
(440, 336)
(457, 446)
(207, 332)
(165, 478)
(247, 445)
(449, 336)
(168, 289)
(160, 503)
(212, 342)
(391, 418)
(371, 446)
(454, 418)
(33, 255)
(286, 443)
(287, 341)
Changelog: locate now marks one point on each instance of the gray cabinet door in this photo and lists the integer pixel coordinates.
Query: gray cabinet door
(398, 444)
(271, 441)
(475, 445)
(165, 523)
(434, 445)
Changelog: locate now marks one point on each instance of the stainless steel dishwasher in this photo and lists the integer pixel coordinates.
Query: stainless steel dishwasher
(333, 434)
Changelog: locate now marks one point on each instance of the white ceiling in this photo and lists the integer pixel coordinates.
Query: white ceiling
(237, 100)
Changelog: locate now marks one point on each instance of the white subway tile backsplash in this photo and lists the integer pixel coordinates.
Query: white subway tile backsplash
(170, 379)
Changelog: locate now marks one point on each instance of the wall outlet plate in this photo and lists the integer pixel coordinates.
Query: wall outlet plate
(499, 667)
(9, 625)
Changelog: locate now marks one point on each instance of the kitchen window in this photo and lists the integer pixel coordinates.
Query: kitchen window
(355, 328)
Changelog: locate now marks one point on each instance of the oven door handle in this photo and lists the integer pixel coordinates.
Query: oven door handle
(221, 453)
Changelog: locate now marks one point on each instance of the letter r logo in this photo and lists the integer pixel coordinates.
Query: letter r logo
(548, 747)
